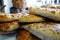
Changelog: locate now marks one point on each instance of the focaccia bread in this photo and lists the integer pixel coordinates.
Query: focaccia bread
(53, 14)
(5, 27)
(30, 18)
(21, 17)
(25, 35)
(45, 31)
(9, 17)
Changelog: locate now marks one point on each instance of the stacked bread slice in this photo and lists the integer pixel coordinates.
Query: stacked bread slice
(53, 14)
(28, 18)
(8, 23)
(32, 24)
(44, 30)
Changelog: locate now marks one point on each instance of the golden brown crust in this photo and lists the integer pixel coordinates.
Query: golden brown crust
(31, 18)
(4, 18)
(9, 17)
(22, 17)
(9, 26)
(53, 14)
(25, 35)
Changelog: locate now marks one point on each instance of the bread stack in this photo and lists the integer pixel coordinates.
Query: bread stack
(33, 26)
(45, 30)
(8, 23)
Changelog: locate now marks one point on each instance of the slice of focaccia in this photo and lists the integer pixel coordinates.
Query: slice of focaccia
(9, 17)
(25, 35)
(53, 14)
(30, 18)
(5, 27)
(45, 31)
(22, 17)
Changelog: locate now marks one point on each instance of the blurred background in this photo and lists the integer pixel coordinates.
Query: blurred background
(16, 6)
